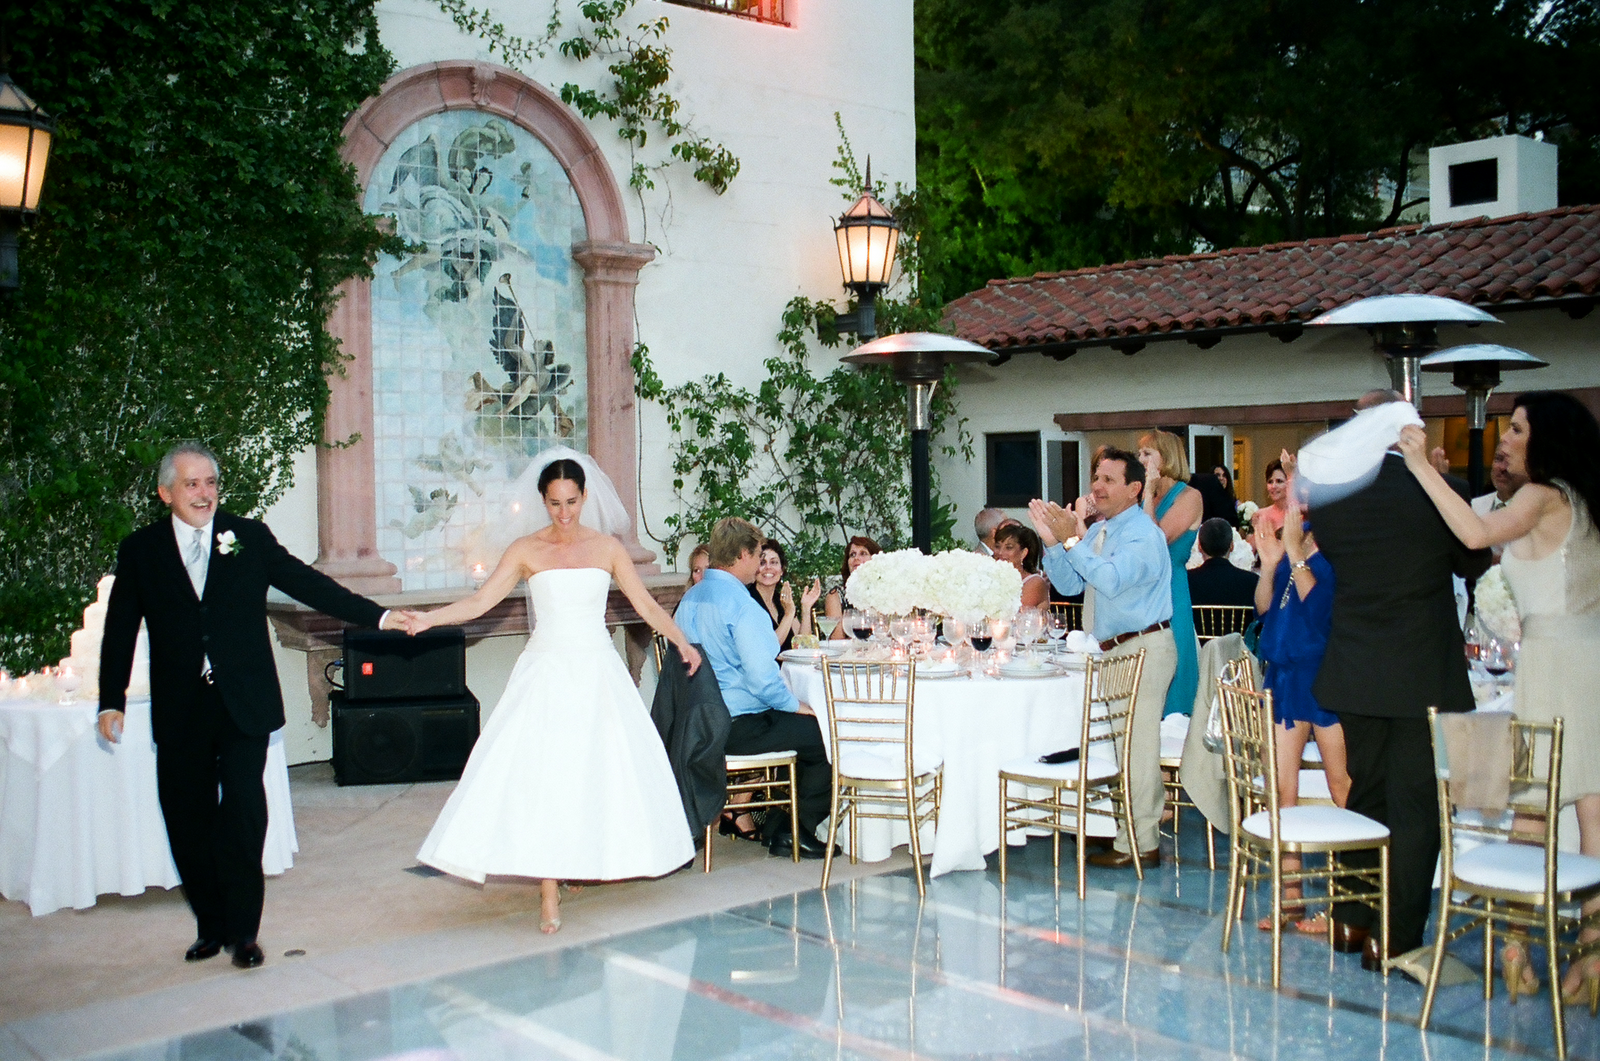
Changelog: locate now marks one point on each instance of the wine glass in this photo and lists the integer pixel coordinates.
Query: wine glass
(859, 625)
(903, 630)
(1056, 627)
(826, 625)
(1029, 625)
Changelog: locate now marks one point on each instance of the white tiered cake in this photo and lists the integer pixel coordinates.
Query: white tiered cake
(85, 658)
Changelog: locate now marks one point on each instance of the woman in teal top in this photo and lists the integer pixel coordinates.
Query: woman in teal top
(1176, 507)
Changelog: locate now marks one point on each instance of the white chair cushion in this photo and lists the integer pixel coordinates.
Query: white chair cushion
(1174, 731)
(1520, 867)
(756, 757)
(1102, 764)
(874, 765)
(1303, 825)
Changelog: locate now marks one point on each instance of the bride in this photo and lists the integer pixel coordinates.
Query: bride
(569, 780)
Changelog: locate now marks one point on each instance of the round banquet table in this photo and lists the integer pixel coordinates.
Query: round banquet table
(973, 725)
(80, 818)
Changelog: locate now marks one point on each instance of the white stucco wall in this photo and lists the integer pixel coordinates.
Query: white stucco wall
(726, 264)
(1026, 393)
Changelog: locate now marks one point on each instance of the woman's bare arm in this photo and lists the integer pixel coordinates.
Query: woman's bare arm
(634, 589)
(511, 569)
(1182, 516)
(1517, 519)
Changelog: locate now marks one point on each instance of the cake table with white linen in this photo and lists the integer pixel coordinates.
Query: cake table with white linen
(80, 818)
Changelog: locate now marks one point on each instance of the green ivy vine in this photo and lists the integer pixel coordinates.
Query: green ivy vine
(636, 100)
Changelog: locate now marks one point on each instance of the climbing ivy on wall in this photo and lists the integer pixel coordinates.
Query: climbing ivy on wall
(636, 100)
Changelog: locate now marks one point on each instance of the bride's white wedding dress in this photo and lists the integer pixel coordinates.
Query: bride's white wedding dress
(569, 780)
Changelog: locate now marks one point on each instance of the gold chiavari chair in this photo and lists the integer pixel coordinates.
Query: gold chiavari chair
(876, 770)
(767, 777)
(1177, 798)
(1217, 620)
(1263, 832)
(1095, 784)
(1518, 879)
(1072, 612)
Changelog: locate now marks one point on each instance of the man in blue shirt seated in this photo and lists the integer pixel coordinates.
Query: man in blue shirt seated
(1124, 565)
(735, 635)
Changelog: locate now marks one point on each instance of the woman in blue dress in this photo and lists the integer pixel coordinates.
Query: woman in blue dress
(1176, 507)
(1294, 598)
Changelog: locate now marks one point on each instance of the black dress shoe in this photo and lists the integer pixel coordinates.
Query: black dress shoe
(248, 955)
(1349, 939)
(810, 847)
(201, 949)
(1118, 860)
(1373, 961)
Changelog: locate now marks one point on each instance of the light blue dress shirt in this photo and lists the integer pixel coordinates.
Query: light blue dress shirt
(736, 635)
(1131, 576)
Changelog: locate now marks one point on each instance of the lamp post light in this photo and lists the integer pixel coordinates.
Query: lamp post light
(1404, 329)
(867, 235)
(1476, 370)
(25, 134)
(918, 360)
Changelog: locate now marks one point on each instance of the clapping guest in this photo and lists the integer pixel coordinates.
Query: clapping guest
(1020, 546)
(774, 593)
(1270, 516)
(1176, 508)
(858, 551)
(1552, 562)
(1294, 597)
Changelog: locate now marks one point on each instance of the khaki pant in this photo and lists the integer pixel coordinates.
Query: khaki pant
(1144, 757)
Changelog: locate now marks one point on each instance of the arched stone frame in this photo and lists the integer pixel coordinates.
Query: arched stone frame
(347, 531)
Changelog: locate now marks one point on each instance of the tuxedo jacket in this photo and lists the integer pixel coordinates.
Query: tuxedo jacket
(1396, 646)
(1218, 582)
(227, 623)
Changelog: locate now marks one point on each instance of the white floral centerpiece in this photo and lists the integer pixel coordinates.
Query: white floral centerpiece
(890, 583)
(1496, 606)
(971, 587)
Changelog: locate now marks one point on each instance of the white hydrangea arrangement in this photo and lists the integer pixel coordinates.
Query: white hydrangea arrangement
(1496, 606)
(958, 584)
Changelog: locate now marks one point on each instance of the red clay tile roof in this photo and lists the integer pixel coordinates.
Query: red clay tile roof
(1524, 259)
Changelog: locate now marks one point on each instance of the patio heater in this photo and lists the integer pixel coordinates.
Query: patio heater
(1476, 370)
(25, 134)
(867, 235)
(1404, 329)
(918, 360)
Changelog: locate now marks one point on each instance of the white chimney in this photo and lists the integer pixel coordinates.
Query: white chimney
(1496, 177)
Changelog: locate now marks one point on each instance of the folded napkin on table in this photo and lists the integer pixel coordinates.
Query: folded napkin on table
(1080, 641)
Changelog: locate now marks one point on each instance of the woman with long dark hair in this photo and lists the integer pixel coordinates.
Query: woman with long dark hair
(857, 551)
(773, 592)
(1552, 563)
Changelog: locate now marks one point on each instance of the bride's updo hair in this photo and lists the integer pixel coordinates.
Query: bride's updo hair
(560, 469)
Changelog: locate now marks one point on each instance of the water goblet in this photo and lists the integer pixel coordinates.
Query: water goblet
(1030, 624)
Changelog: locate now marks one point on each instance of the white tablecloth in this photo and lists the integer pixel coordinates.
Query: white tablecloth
(974, 726)
(80, 818)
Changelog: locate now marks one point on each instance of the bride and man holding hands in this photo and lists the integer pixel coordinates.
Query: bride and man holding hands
(568, 781)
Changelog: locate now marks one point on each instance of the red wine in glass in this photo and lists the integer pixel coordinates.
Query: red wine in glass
(862, 632)
(982, 642)
(1496, 669)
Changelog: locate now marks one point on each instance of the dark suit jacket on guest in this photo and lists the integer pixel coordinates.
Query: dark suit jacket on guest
(1218, 582)
(693, 721)
(1396, 647)
(228, 624)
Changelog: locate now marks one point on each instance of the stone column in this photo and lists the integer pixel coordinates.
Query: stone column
(347, 511)
(610, 274)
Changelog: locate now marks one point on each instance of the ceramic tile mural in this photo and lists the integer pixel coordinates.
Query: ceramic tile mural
(478, 350)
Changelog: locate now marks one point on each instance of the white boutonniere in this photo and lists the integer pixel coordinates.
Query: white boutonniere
(227, 544)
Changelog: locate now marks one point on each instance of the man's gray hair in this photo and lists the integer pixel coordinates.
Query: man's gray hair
(169, 461)
(1374, 398)
(987, 522)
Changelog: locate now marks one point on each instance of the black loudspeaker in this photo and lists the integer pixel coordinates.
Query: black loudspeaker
(402, 740)
(391, 665)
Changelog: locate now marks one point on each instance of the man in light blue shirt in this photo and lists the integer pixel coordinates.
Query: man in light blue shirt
(736, 637)
(1124, 565)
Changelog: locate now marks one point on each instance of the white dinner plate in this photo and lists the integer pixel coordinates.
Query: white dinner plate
(1022, 670)
(809, 655)
(928, 673)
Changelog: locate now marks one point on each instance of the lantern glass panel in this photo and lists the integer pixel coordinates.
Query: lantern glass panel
(17, 144)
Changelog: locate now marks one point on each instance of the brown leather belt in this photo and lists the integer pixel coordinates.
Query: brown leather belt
(1111, 643)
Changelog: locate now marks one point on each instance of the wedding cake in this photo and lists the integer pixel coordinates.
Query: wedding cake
(85, 657)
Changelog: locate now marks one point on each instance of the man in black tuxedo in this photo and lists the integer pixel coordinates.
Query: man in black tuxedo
(1217, 581)
(199, 582)
(1395, 649)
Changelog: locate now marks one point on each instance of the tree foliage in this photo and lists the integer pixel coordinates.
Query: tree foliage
(1054, 135)
(195, 224)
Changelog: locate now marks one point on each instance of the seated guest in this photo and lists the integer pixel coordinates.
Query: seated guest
(984, 524)
(776, 596)
(735, 636)
(699, 560)
(1216, 580)
(1294, 596)
(1020, 546)
(859, 550)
